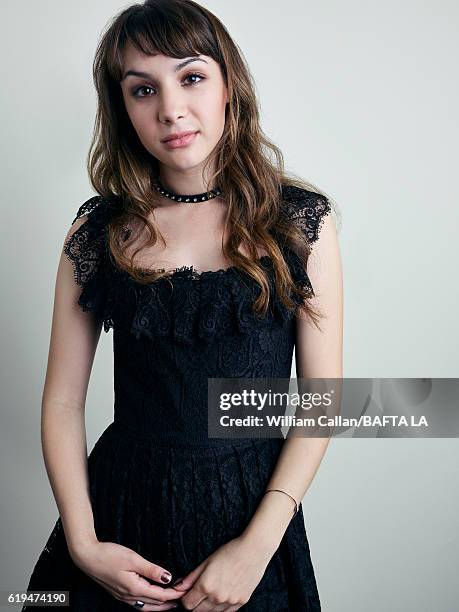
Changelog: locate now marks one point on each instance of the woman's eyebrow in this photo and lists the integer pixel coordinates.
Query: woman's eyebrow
(177, 67)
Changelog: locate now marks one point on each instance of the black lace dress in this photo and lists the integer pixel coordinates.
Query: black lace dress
(158, 483)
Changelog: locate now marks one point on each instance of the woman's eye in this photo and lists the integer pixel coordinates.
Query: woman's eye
(136, 92)
(146, 87)
(193, 74)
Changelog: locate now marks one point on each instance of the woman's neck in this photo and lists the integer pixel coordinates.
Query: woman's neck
(189, 183)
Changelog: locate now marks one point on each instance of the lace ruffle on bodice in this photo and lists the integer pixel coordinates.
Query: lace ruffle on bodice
(188, 305)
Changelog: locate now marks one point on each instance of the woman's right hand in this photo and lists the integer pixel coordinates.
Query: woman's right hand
(123, 573)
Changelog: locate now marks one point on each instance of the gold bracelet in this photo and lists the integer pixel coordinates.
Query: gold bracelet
(291, 497)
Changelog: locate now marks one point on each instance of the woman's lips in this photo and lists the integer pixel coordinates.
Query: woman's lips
(177, 143)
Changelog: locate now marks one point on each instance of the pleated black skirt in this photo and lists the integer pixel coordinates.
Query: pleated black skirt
(174, 504)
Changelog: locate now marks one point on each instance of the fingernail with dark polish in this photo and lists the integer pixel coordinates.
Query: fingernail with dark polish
(165, 577)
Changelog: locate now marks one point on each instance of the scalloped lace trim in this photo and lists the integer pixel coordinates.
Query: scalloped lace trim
(191, 272)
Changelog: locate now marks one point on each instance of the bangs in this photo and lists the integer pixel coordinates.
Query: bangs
(168, 29)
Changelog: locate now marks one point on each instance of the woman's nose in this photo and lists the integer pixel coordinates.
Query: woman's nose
(171, 105)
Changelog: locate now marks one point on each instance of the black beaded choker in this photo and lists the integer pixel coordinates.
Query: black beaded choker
(198, 197)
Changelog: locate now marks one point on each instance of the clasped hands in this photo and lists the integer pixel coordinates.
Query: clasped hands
(223, 582)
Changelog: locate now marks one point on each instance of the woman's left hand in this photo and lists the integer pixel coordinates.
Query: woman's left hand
(225, 580)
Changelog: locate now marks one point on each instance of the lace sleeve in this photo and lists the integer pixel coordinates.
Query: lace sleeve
(307, 209)
(87, 249)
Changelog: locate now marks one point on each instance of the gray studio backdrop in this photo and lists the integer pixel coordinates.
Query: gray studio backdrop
(362, 97)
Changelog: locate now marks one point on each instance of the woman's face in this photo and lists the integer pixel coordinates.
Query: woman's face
(170, 97)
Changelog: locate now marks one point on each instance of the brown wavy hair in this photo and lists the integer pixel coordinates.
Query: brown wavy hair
(249, 167)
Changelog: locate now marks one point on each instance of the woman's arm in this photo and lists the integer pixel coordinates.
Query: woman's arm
(318, 355)
(74, 338)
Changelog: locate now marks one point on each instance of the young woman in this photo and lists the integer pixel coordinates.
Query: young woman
(195, 252)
